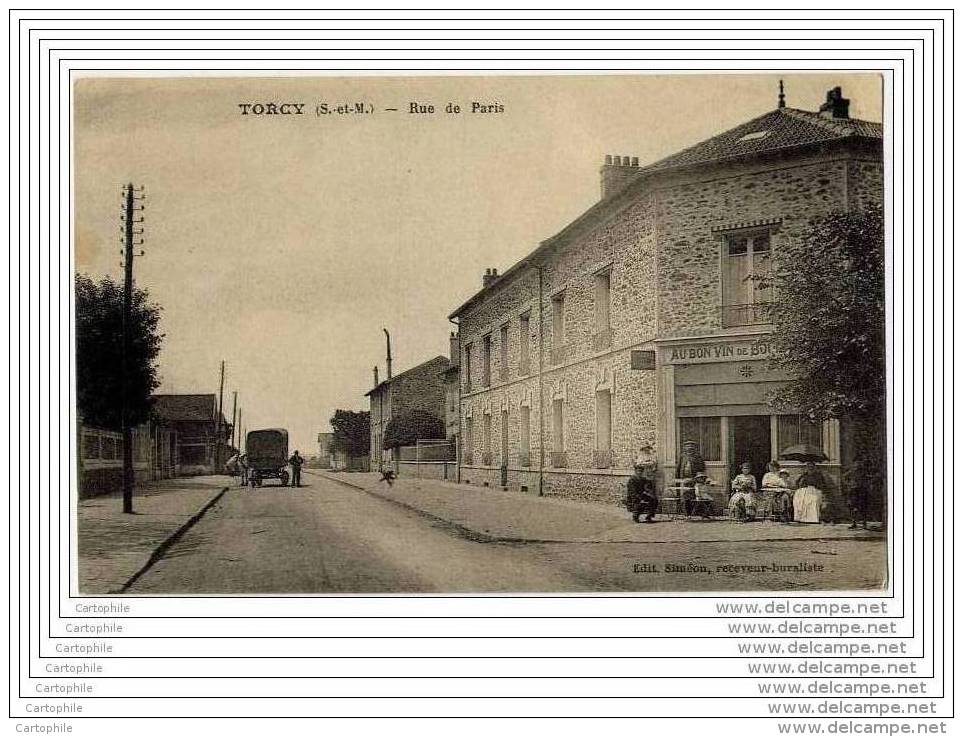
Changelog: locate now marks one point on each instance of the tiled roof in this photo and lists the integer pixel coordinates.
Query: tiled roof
(185, 407)
(778, 130)
(782, 128)
(436, 359)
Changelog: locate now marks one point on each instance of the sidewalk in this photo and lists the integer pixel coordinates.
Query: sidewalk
(506, 516)
(112, 546)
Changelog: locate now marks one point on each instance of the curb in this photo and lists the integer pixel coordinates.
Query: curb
(476, 536)
(170, 540)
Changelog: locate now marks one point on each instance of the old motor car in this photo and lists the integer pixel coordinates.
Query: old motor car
(267, 455)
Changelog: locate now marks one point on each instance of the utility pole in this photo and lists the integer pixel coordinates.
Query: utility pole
(234, 423)
(220, 423)
(125, 414)
(240, 419)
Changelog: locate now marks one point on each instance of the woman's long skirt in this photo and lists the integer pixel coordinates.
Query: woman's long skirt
(806, 503)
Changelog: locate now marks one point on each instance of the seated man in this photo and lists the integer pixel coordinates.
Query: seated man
(640, 495)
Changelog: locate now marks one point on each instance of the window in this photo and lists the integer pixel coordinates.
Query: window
(558, 328)
(603, 420)
(558, 429)
(525, 435)
(468, 367)
(487, 360)
(603, 300)
(706, 432)
(469, 440)
(796, 430)
(487, 433)
(745, 292)
(503, 353)
(524, 343)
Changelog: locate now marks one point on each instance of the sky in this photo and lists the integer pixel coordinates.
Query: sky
(283, 244)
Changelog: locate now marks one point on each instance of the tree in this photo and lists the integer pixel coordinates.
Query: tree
(829, 315)
(407, 428)
(99, 346)
(351, 432)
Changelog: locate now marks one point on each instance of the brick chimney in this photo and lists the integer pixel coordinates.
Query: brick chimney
(491, 275)
(376, 376)
(836, 106)
(616, 172)
(453, 351)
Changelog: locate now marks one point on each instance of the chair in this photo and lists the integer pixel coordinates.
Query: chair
(673, 495)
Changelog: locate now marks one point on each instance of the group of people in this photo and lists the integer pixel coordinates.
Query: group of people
(777, 498)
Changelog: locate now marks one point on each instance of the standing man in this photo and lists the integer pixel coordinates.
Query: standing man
(296, 460)
(242, 468)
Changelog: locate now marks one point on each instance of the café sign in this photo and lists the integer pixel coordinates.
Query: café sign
(717, 352)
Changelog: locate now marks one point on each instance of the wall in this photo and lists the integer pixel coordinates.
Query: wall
(692, 212)
(101, 460)
(624, 246)
(420, 388)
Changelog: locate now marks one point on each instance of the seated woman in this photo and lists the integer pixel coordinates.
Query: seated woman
(808, 500)
(742, 501)
(775, 486)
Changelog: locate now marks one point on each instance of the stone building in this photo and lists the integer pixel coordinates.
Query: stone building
(452, 393)
(418, 388)
(202, 433)
(636, 325)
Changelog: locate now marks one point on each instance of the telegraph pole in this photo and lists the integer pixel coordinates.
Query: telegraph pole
(126, 322)
(220, 421)
(234, 424)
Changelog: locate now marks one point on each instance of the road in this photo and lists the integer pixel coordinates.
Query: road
(326, 538)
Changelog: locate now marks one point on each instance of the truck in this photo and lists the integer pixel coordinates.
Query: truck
(267, 455)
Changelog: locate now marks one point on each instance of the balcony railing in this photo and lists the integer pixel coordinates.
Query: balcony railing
(524, 459)
(559, 459)
(741, 315)
(602, 458)
(487, 459)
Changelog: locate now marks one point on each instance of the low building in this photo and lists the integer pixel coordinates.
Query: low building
(641, 323)
(101, 456)
(324, 449)
(419, 388)
(202, 432)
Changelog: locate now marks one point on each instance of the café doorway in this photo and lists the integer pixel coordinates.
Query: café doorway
(750, 440)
